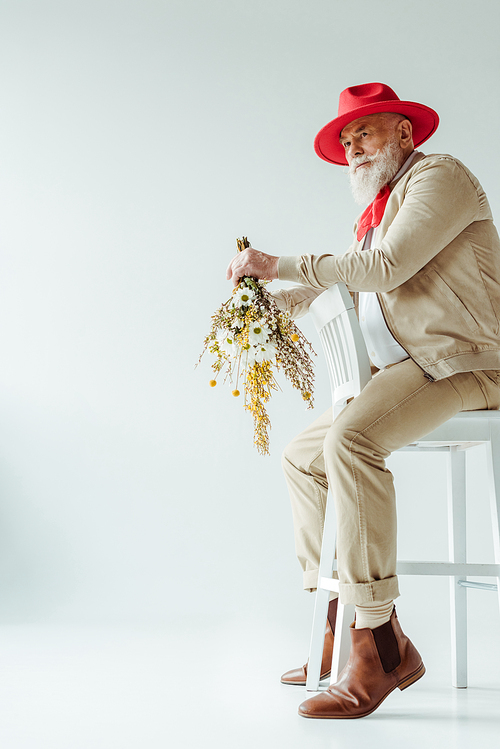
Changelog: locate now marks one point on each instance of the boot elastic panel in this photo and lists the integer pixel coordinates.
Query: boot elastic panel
(387, 646)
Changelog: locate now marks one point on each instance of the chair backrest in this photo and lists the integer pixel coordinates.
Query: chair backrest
(343, 344)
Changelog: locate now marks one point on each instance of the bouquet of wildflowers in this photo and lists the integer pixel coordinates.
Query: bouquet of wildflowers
(249, 337)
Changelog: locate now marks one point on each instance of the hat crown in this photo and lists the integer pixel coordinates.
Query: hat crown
(355, 97)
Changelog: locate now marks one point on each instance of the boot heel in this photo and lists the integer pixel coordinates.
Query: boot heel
(413, 678)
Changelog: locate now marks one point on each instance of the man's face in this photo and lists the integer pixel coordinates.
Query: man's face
(367, 136)
(375, 147)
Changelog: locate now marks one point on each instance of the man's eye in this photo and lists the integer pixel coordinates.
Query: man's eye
(347, 144)
(363, 135)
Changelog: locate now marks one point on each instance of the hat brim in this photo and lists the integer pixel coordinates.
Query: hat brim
(424, 122)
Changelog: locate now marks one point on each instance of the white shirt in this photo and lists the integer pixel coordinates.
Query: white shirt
(383, 349)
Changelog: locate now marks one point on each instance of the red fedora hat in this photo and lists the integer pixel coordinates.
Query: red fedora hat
(370, 98)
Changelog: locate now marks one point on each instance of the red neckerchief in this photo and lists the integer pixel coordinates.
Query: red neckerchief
(372, 215)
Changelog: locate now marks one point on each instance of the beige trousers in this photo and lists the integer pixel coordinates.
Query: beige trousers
(397, 407)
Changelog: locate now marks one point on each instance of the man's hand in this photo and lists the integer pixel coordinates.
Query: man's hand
(252, 263)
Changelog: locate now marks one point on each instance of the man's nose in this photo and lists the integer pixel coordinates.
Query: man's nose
(354, 149)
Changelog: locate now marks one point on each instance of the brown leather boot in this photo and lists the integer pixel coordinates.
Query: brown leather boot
(298, 676)
(381, 659)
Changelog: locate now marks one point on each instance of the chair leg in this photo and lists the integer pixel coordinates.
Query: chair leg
(317, 639)
(493, 463)
(458, 611)
(457, 544)
(322, 597)
(342, 641)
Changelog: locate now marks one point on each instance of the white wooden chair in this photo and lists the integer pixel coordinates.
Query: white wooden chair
(349, 369)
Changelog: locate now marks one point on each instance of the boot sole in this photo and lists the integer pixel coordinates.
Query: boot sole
(303, 683)
(403, 684)
(412, 678)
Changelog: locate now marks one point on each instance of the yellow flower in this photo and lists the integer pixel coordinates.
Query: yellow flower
(294, 337)
(236, 393)
(212, 383)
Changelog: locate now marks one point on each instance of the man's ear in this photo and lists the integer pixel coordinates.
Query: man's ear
(405, 130)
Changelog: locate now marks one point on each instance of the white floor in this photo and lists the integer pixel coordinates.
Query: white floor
(207, 686)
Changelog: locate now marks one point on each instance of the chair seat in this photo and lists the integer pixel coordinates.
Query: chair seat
(466, 429)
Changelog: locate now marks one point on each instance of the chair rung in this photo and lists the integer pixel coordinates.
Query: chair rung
(436, 568)
(479, 586)
(451, 569)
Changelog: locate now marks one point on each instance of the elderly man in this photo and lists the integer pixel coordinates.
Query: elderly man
(425, 266)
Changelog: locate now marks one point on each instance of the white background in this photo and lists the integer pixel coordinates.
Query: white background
(138, 140)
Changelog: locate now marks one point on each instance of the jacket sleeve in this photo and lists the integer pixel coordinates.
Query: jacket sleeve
(296, 300)
(439, 202)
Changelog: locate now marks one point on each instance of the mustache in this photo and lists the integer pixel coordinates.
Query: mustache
(357, 160)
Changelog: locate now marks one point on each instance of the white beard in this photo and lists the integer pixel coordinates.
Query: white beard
(367, 181)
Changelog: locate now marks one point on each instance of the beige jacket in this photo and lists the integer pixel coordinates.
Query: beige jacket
(436, 269)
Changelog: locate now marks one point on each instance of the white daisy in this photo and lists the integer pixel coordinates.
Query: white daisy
(227, 342)
(258, 333)
(264, 352)
(248, 356)
(243, 296)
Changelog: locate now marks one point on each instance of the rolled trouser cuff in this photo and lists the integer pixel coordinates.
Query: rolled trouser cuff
(310, 578)
(361, 593)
